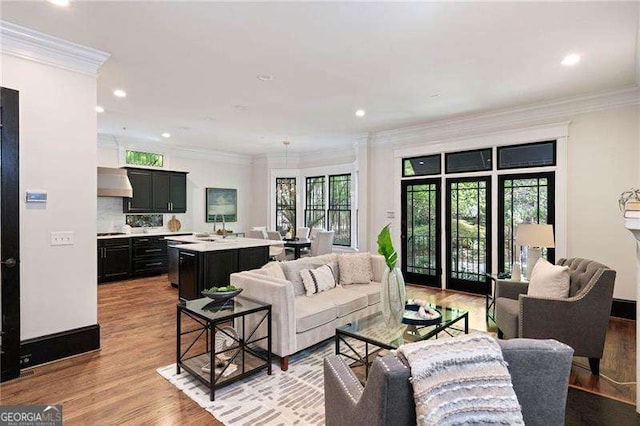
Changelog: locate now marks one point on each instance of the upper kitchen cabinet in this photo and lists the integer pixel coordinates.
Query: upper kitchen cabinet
(141, 182)
(156, 191)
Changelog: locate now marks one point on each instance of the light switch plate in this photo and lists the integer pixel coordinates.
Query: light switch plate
(391, 214)
(63, 238)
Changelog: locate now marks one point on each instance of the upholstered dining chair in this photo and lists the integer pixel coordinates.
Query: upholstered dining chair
(314, 232)
(323, 243)
(303, 232)
(580, 321)
(276, 252)
(256, 234)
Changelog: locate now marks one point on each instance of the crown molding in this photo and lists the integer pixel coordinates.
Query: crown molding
(466, 126)
(25, 43)
(115, 142)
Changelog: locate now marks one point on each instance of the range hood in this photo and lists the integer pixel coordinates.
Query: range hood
(113, 183)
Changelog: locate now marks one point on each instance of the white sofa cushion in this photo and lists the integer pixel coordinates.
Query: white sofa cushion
(372, 290)
(346, 301)
(312, 312)
(292, 270)
(548, 280)
(273, 270)
(318, 280)
(355, 268)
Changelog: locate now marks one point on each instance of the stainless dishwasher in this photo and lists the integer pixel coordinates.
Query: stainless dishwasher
(174, 262)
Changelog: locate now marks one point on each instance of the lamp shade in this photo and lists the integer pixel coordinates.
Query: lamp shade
(535, 235)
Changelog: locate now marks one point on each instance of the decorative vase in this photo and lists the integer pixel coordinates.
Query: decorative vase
(393, 297)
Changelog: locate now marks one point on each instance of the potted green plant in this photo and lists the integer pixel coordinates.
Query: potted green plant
(393, 295)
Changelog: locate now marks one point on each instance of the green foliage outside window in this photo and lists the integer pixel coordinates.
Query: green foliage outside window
(140, 158)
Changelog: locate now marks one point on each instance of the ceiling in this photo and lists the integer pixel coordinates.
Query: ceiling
(190, 68)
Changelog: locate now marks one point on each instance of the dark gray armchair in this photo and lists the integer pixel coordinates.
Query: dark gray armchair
(539, 372)
(580, 321)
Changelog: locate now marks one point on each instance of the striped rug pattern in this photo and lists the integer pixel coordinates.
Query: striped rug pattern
(295, 397)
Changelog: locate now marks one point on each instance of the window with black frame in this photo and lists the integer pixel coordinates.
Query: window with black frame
(339, 213)
(314, 213)
(285, 204)
(523, 198)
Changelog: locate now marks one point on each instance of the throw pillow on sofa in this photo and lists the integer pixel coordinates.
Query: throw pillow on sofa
(355, 268)
(318, 280)
(549, 281)
(292, 270)
(273, 270)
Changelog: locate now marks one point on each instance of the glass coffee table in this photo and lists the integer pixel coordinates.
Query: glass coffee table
(372, 331)
(238, 321)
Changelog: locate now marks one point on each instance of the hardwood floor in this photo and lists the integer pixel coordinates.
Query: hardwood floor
(119, 383)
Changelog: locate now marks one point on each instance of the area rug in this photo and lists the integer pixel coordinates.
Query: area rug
(284, 398)
(294, 397)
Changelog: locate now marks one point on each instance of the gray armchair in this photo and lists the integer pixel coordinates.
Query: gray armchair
(580, 321)
(539, 372)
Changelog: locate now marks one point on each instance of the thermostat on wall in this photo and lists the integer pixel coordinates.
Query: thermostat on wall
(36, 197)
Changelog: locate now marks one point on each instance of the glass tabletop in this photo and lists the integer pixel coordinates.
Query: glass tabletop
(206, 308)
(374, 330)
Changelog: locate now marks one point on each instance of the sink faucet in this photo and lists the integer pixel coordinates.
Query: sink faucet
(224, 229)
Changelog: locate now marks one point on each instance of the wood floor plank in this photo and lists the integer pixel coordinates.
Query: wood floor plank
(119, 383)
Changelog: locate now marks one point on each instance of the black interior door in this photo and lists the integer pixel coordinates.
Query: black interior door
(468, 212)
(420, 233)
(10, 234)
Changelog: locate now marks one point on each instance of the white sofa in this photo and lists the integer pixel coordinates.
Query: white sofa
(300, 321)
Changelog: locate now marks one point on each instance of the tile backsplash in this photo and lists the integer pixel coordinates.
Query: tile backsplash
(111, 218)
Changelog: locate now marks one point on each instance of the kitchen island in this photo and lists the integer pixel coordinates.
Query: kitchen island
(204, 262)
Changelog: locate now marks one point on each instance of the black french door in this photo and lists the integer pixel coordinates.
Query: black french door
(420, 232)
(523, 198)
(468, 234)
(9, 234)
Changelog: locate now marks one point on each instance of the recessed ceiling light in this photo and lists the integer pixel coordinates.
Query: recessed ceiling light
(120, 93)
(435, 95)
(360, 113)
(166, 135)
(99, 109)
(570, 60)
(241, 107)
(63, 3)
(264, 77)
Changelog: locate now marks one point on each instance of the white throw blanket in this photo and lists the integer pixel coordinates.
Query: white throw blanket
(463, 380)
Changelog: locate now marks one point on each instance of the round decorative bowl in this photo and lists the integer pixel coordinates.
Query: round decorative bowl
(411, 316)
(221, 296)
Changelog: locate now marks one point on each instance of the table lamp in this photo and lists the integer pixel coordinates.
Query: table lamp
(535, 237)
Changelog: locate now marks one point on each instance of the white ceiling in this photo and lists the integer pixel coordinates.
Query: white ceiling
(188, 66)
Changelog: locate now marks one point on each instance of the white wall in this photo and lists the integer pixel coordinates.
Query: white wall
(57, 154)
(603, 152)
(203, 173)
(603, 162)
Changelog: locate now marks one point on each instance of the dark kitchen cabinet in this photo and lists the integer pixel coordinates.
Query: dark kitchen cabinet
(149, 256)
(156, 191)
(142, 183)
(114, 259)
(188, 276)
(201, 270)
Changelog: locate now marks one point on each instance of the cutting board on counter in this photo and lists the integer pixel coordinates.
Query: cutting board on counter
(174, 224)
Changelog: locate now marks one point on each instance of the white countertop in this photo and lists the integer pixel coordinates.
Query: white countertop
(142, 234)
(219, 243)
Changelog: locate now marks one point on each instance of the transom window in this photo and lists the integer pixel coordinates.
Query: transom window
(141, 158)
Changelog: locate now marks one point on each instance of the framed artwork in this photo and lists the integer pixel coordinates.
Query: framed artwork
(222, 202)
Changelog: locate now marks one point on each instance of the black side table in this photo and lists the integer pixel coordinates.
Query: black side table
(247, 316)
